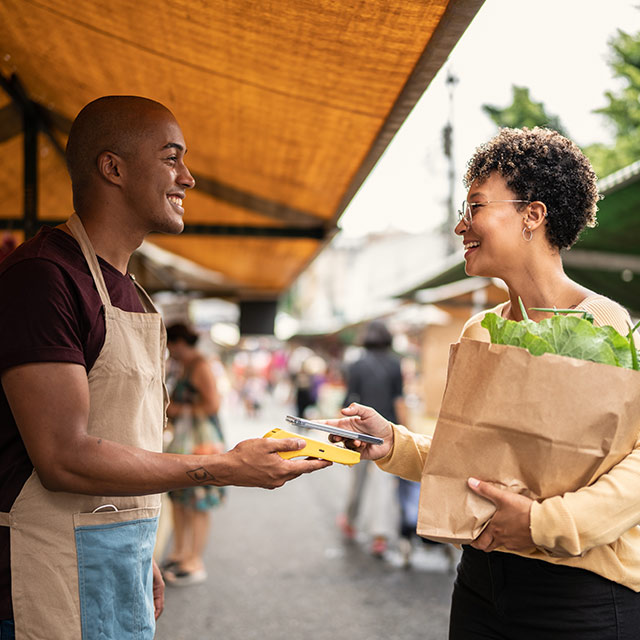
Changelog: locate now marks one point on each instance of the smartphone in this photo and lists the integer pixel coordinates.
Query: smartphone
(352, 435)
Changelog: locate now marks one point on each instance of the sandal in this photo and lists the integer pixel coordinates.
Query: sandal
(183, 578)
(169, 565)
(378, 546)
(348, 530)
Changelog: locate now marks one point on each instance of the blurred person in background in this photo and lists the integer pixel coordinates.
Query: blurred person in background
(193, 412)
(376, 381)
(308, 379)
(254, 391)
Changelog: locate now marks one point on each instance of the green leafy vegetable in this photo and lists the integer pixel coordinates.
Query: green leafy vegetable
(569, 332)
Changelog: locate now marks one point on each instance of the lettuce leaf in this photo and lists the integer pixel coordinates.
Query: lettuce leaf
(516, 334)
(564, 335)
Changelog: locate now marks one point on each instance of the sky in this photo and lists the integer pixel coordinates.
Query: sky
(556, 48)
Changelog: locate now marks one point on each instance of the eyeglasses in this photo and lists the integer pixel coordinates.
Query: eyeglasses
(467, 210)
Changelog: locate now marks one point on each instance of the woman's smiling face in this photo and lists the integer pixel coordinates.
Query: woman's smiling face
(493, 240)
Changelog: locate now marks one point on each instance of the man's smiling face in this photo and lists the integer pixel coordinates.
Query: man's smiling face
(156, 177)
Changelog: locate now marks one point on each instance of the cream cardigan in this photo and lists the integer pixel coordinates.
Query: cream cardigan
(595, 528)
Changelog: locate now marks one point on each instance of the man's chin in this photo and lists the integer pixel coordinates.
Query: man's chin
(173, 226)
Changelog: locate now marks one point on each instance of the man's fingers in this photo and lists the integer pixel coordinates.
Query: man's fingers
(295, 468)
(287, 444)
(298, 467)
(158, 591)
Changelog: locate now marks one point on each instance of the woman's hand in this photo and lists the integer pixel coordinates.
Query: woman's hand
(364, 420)
(509, 525)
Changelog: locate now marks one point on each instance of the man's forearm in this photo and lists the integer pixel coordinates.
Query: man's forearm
(103, 467)
(67, 458)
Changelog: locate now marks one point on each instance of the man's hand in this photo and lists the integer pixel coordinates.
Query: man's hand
(256, 463)
(509, 526)
(158, 591)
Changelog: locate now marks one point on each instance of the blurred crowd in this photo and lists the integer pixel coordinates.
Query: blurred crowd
(315, 381)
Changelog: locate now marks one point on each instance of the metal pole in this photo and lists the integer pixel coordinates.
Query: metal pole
(30, 151)
(452, 241)
(32, 122)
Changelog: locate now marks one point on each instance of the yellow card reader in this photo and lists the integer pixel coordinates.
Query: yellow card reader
(315, 449)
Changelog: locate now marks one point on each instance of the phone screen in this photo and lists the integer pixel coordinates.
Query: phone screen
(344, 433)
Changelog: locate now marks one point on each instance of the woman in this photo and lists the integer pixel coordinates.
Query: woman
(567, 566)
(193, 411)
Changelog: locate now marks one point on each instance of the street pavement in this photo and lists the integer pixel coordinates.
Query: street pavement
(279, 568)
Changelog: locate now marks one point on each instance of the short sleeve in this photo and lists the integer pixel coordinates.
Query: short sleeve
(39, 317)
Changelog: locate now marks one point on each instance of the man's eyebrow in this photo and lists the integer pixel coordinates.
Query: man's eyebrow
(476, 194)
(174, 145)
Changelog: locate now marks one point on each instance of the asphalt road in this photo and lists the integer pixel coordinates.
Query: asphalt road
(279, 568)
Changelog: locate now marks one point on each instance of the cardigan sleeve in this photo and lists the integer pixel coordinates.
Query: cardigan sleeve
(571, 524)
(410, 450)
(408, 455)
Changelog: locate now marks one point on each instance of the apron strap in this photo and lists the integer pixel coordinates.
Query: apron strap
(146, 300)
(78, 231)
(5, 519)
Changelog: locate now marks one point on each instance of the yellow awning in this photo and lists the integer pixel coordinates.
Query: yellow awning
(285, 107)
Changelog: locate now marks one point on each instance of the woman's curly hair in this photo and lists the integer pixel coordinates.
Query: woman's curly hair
(540, 164)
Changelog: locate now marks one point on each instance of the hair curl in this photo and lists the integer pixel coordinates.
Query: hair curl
(540, 164)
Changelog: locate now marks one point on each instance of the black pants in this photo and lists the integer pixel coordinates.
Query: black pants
(501, 596)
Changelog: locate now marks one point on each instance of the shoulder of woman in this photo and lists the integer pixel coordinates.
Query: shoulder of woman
(607, 312)
(474, 330)
(198, 368)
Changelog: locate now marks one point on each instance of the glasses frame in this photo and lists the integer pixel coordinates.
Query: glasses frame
(465, 213)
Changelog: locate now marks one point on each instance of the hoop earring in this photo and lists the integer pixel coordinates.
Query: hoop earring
(524, 236)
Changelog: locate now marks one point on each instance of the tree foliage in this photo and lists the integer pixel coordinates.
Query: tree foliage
(622, 109)
(523, 112)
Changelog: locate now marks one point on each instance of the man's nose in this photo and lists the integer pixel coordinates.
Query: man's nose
(186, 179)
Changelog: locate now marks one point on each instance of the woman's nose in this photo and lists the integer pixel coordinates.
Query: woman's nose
(461, 228)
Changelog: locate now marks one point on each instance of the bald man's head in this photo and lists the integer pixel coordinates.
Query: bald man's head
(110, 123)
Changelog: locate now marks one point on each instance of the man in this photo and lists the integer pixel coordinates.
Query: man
(375, 379)
(82, 403)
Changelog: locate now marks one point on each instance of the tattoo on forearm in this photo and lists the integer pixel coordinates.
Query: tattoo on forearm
(200, 475)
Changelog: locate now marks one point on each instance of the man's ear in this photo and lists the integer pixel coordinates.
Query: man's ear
(535, 214)
(110, 166)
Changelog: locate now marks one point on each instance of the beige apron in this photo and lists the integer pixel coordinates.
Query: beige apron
(81, 565)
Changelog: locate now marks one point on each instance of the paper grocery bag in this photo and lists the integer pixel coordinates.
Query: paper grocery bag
(537, 425)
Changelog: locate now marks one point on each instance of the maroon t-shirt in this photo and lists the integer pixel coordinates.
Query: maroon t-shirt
(50, 311)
